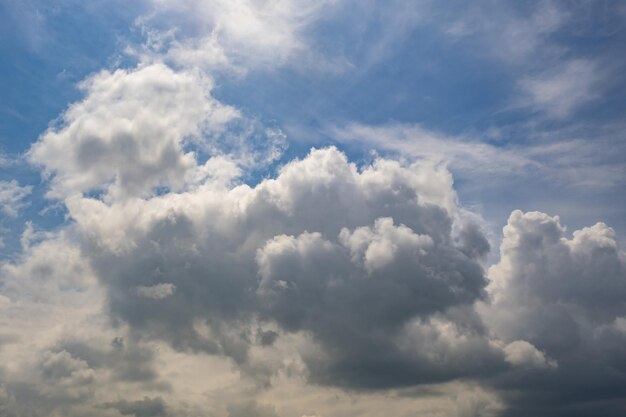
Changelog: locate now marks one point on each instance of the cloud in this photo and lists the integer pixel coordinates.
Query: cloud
(565, 157)
(128, 135)
(237, 35)
(65, 375)
(521, 352)
(145, 129)
(12, 197)
(521, 31)
(60, 354)
(330, 288)
(563, 295)
(157, 291)
(329, 276)
(323, 239)
(418, 142)
(148, 407)
(560, 91)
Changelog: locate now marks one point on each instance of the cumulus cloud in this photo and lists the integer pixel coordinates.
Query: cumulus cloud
(127, 136)
(144, 129)
(562, 295)
(65, 375)
(324, 239)
(345, 276)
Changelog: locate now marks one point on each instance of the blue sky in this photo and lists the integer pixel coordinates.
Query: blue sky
(159, 151)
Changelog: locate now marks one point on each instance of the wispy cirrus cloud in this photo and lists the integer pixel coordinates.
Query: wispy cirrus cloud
(562, 157)
(415, 141)
(559, 91)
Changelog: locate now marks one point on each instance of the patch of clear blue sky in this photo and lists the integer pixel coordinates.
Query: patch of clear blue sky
(418, 75)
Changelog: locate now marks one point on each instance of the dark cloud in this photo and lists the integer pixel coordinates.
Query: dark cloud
(126, 360)
(251, 409)
(148, 407)
(568, 298)
(349, 256)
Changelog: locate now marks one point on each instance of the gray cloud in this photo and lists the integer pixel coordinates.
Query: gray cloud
(364, 279)
(566, 297)
(148, 407)
(349, 255)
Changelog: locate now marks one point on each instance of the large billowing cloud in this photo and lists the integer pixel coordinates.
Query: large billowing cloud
(350, 255)
(568, 298)
(328, 275)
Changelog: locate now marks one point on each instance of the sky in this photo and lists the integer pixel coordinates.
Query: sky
(285, 208)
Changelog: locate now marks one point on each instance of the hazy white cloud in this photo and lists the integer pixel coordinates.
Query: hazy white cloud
(413, 140)
(566, 158)
(12, 197)
(521, 31)
(558, 92)
(237, 35)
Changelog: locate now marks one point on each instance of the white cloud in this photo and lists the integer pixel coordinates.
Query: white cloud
(563, 157)
(376, 248)
(141, 129)
(516, 35)
(157, 291)
(239, 34)
(558, 92)
(520, 352)
(12, 197)
(128, 135)
(469, 156)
